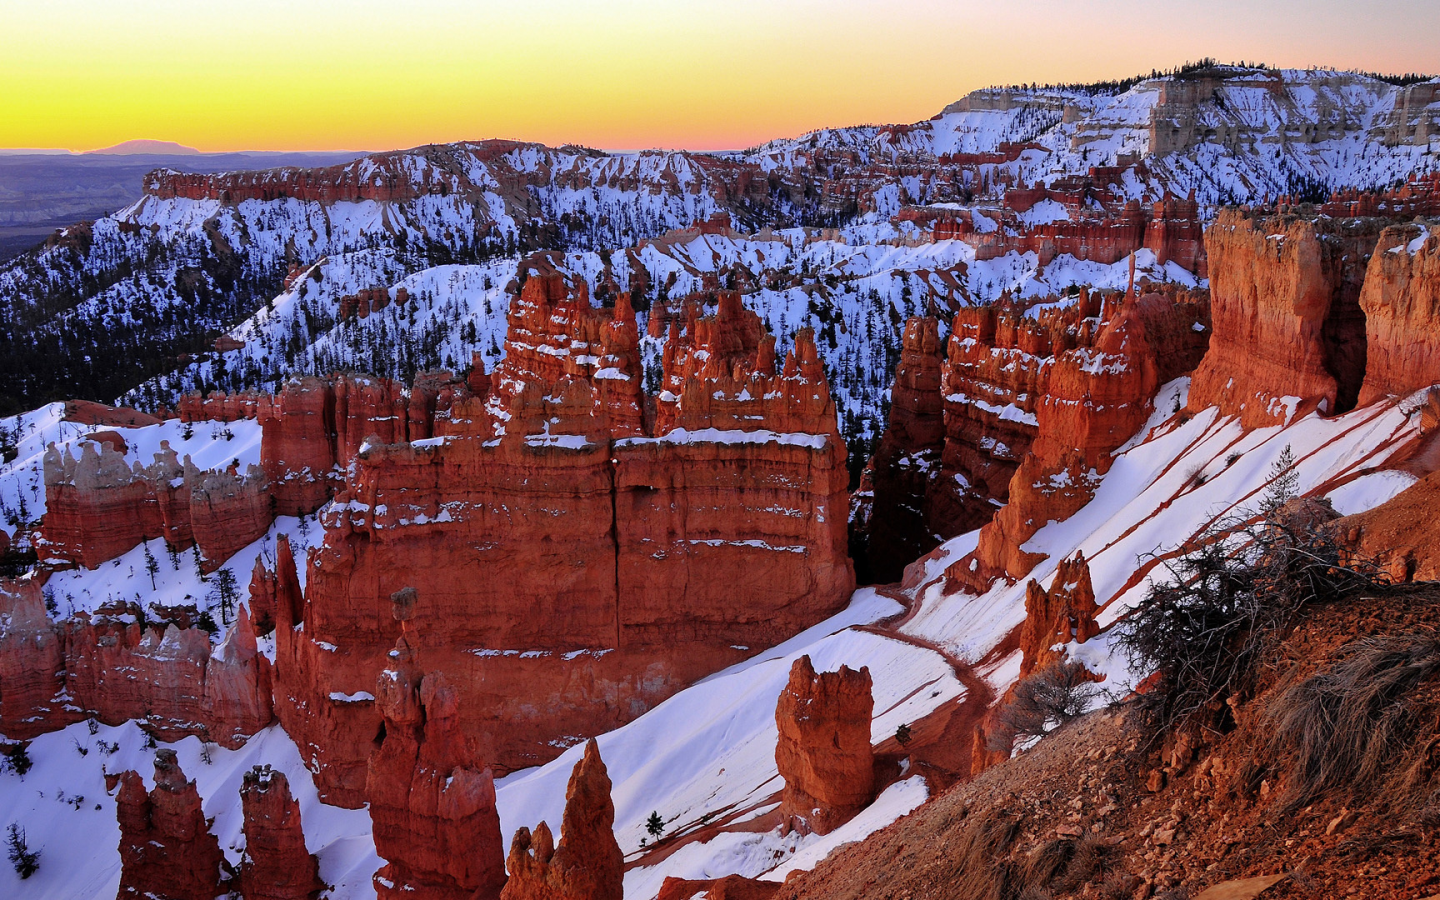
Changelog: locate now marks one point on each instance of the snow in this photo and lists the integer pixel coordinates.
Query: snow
(899, 799)
(177, 578)
(709, 751)
(1369, 491)
(1148, 503)
(730, 437)
(67, 815)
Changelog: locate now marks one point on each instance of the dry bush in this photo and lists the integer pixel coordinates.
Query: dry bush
(1228, 601)
(1043, 702)
(1345, 731)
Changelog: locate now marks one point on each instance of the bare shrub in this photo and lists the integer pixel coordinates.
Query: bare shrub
(1227, 601)
(1043, 702)
(1348, 727)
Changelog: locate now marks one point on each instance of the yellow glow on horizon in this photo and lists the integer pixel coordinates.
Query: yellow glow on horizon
(381, 74)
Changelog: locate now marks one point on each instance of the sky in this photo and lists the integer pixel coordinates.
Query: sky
(625, 74)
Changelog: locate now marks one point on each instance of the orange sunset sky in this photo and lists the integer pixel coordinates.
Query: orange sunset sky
(382, 74)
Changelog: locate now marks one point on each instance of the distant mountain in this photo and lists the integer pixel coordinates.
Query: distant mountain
(136, 148)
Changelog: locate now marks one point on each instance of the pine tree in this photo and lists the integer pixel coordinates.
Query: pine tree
(226, 592)
(25, 860)
(1284, 482)
(151, 566)
(655, 825)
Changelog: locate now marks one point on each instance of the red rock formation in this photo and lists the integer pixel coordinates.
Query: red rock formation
(433, 811)
(898, 525)
(1285, 303)
(228, 511)
(32, 665)
(96, 509)
(297, 447)
(1064, 613)
(1096, 396)
(638, 563)
(218, 406)
(731, 887)
(114, 670)
(88, 412)
(276, 865)
(1403, 535)
(166, 849)
(588, 864)
(1401, 300)
(824, 752)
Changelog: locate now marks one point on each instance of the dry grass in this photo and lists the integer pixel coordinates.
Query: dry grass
(1347, 730)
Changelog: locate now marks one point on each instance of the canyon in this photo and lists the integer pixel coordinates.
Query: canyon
(771, 477)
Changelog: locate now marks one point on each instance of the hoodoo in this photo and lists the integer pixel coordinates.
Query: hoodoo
(166, 849)
(587, 863)
(824, 753)
(637, 562)
(276, 866)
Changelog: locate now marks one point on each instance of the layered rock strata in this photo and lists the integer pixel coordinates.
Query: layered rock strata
(1290, 333)
(1096, 396)
(99, 507)
(1401, 301)
(166, 849)
(575, 566)
(824, 751)
(587, 864)
(109, 666)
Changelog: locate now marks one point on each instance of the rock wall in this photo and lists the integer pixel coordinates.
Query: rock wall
(1096, 395)
(629, 564)
(110, 667)
(1285, 300)
(276, 865)
(587, 864)
(824, 751)
(33, 699)
(1401, 301)
(98, 507)
(166, 849)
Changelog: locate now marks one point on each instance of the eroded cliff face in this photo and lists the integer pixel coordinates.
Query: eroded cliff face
(1290, 333)
(574, 567)
(1033, 402)
(1098, 394)
(109, 666)
(587, 864)
(824, 751)
(1401, 302)
(33, 699)
(99, 507)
